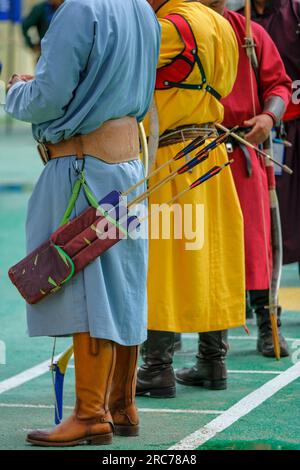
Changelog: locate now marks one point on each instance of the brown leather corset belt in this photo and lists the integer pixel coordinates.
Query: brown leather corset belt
(116, 141)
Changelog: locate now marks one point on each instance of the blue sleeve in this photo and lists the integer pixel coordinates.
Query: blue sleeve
(65, 53)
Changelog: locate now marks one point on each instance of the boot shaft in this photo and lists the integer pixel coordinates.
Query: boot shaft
(122, 398)
(94, 368)
(213, 345)
(158, 349)
(124, 379)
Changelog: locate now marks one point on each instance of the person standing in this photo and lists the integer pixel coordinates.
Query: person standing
(281, 19)
(94, 81)
(201, 289)
(258, 100)
(39, 18)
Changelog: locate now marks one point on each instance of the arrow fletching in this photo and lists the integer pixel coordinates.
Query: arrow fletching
(193, 145)
(59, 369)
(210, 174)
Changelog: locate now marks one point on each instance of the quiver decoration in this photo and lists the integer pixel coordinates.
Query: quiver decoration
(74, 245)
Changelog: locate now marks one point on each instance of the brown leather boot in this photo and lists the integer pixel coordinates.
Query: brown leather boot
(122, 397)
(91, 421)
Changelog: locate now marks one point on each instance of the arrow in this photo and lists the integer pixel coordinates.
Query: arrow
(192, 146)
(214, 171)
(258, 150)
(199, 158)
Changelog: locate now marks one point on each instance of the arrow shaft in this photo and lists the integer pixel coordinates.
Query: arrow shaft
(195, 161)
(193, 145)
(258, 150)
(210, 174)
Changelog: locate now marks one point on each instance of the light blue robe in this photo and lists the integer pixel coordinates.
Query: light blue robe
(98, 63)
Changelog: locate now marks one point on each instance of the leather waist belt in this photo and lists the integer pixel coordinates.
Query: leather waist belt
(232, 144)
(185, 133)
(116, 141)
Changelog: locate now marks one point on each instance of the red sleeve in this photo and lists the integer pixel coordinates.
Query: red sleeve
(274, 80)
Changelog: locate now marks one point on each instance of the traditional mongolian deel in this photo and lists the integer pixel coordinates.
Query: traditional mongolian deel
(77, 243)
(249, 170)
(212, 295)
(281, 19)
(76, 89)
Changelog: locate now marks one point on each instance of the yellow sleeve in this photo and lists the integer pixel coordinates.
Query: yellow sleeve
(171, 44)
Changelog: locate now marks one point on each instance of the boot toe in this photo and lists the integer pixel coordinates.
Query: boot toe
(156, 382)
(188, 376)
(38, 435)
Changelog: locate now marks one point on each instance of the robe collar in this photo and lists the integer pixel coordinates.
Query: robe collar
(168, 6)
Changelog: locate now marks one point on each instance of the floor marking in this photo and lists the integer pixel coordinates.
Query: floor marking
(262, 372)
(273, 372)
(254, 338)
(170, 410)
(141, 410)
(245, 337)
(232, 371)
(237, 411)
(25, 376)
(43, 367)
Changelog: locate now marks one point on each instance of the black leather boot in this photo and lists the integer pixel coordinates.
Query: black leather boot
(249, 309)
(210, 369)
(259, 300)
(156, 376)
(177, 342)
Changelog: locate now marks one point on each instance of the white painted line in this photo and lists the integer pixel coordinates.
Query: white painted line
(237, 411)
(244, 337)
(25, 376)
(28, 405)
(272, 372)
(254, 338)
(170, 410)
(43, 367)
(141, 410)
(262, 372)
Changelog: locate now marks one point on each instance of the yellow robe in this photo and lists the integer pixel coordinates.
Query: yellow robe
(203, 289)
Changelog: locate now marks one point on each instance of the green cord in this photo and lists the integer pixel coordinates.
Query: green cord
(66, 258)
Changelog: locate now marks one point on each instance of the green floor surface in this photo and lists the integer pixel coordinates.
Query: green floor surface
(274, 424)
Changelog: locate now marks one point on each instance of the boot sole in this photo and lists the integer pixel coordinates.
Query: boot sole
(208, 384)
(101, 439)
(168, 392)
(127, 431)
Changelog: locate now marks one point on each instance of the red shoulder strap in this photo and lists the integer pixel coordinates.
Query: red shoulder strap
(182, 65)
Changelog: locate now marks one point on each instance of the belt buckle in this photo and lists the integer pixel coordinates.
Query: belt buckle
(43, 152)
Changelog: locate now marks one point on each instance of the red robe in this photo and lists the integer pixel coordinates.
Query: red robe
(281, 18)
(253, 190)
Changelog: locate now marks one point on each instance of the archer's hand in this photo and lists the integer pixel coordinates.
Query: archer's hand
(27, 78)
(14, 79)
(18, 78)
(261, 128)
